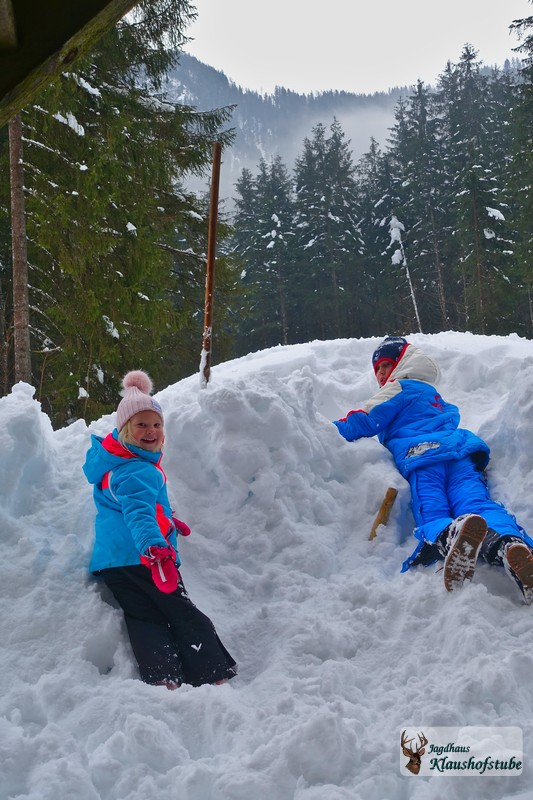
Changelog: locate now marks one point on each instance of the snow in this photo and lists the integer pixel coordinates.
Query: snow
(84, 84)
(338, 651)
(193, 215)
(110, 327)
(71, 121)
(397, 257)
(395, 227)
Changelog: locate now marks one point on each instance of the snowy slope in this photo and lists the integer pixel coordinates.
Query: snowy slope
(337, 650)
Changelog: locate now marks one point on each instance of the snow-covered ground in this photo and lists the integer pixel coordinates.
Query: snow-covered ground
(337, 650)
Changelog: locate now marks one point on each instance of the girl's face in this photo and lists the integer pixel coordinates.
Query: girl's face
(146, 431)
(383, 371)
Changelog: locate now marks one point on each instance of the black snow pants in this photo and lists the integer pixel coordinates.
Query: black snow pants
(172, 640)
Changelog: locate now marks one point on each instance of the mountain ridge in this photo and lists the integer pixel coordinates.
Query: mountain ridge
(267, 125)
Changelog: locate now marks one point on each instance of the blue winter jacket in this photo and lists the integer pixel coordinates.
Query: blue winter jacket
(133, 510)
(411, 419)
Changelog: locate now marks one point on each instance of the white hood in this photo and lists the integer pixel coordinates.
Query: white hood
(415, 365)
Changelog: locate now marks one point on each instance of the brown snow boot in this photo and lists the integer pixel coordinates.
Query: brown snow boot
(464, 539)
(518, 563)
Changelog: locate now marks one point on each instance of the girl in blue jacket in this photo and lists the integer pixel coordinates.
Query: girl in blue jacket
(455, 517)
(135, 549)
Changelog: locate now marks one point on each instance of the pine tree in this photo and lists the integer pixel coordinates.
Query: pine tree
(449, 176)
(263, 237)
(327, 233)
(378, 199)
(473, 166)
(522, 169)
(416, 155)
(111, 230)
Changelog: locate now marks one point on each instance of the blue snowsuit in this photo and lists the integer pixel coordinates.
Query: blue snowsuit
(443, 463)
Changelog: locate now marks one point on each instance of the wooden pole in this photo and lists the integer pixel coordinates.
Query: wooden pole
(205, 365)
(382, 517)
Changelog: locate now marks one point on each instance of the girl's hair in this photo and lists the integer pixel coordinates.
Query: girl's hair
(124, 434)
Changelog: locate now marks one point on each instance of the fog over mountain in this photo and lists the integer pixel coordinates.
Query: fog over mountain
(268, 125)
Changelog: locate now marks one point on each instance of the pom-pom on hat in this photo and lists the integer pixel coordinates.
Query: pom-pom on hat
(137, 387)
(391, 349)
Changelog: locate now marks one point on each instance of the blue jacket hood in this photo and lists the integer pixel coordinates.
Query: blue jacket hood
(100, 460)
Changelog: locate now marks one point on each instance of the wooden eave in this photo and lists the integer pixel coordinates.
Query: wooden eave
(39, 39)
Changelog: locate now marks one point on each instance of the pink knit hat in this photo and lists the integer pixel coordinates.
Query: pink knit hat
(137, 387)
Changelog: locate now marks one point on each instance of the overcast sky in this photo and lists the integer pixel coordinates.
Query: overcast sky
(359, 46)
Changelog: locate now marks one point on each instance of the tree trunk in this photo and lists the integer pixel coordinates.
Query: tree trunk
(412, 292)
(438, 269)
(3, 346)
(282, 307)
(21, 315)
(479, 265)
(336, 312)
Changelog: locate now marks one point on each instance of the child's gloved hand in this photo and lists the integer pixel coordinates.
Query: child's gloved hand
(181, 526)
(161, 561)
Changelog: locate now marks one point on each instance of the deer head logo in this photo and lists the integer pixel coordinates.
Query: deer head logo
(414, 756)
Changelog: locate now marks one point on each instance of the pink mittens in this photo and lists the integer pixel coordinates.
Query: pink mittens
(182, 527)
(161, 561)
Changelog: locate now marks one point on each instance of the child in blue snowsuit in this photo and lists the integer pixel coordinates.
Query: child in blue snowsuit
(135, 549)
(456, 519)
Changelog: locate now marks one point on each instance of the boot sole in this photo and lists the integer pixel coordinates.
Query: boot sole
(460, 562)
(520, 560)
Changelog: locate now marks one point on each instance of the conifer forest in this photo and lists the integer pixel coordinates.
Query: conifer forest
(430, 230)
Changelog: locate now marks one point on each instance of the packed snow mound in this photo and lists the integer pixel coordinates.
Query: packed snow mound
(337, 650)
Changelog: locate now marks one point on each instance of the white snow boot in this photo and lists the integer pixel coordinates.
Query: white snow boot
(463, 540)
(518, 563)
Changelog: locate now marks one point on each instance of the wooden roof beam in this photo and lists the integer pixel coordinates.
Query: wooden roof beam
(8, 28)
(42, 38)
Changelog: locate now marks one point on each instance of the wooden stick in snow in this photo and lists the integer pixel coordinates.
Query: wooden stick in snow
(382, 517)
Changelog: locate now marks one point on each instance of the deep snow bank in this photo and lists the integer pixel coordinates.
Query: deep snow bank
(337, 650)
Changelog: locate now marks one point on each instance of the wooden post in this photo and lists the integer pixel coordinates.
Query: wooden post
(382, 517)
(205, 364)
